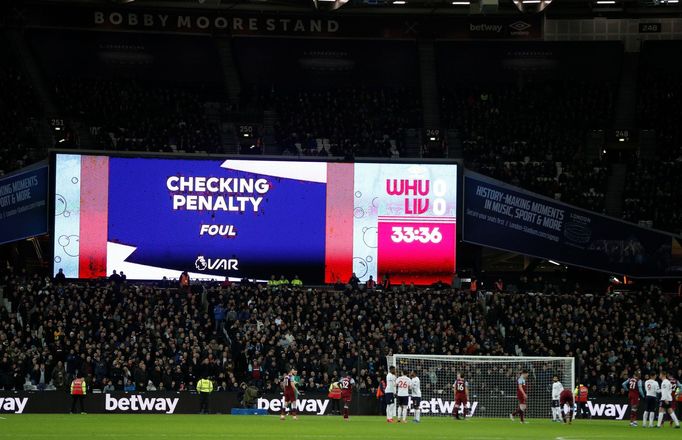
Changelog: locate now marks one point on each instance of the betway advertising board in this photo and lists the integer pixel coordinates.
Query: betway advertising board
(312, 404)
(506, 217)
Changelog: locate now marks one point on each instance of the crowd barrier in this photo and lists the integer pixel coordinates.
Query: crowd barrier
(46, 402)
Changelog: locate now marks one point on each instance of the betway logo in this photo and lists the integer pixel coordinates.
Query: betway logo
(607, 410)
(139, 403)
(485, 27)
(13, 404)
(314, 406)
(440, 406)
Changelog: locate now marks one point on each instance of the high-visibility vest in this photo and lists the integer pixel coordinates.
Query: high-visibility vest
(581, 394)
(296, 282)
(78, 387)
(380, 389)
(204, 386)
(334, 391)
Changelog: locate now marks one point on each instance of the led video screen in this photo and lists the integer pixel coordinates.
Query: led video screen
(156, 217)
(23, 204)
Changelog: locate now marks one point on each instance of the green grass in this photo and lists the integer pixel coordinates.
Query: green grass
(188, 427)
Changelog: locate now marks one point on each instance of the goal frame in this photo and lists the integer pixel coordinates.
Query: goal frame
(569, 366)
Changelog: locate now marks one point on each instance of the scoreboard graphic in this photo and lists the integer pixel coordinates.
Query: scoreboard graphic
(216, 219)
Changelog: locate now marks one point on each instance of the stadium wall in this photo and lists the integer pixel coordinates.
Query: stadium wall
(54, 402)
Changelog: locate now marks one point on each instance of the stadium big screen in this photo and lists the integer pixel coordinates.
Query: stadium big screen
(155, 217)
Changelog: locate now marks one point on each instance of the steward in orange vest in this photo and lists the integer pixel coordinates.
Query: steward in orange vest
(335, 396)
(381, 393)
(580, 394)
(78, 391)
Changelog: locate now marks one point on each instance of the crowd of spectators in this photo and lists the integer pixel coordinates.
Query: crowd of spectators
(19, 112)
(533, 136)
(653, 190)
(539, 120)
(131, 115)
(659, 107)
(348, 121)
(143, 337)
(578, 183)
(654, 186)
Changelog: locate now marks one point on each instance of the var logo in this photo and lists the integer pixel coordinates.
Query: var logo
(202, 263)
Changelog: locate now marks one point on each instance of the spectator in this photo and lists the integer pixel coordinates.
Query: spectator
(115, 278)
(184, 282)
(251, 394)
(219, 317)
(354, 281)
(370, 284)
(59, 376)
(60, 278)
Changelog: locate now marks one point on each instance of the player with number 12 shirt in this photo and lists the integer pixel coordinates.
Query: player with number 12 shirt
(346, 384)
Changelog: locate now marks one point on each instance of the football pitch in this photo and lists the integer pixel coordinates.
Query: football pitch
(188, 427)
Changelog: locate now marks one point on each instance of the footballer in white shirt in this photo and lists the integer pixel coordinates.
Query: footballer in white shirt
(416, 394)
(557, 388)
(651, 390)
(390, 394)
(402, 385)
(666, 401)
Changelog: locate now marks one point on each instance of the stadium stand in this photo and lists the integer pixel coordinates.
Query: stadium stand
(133, 116)
(533, 148)
(522, 113)
(138, 97)
(146, 337)
(136, 92)
(345, 122)
(653, 189)
(660, 97)
(653, 186)
(19, 112)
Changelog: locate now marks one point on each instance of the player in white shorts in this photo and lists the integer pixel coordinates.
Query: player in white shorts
(416, 394)
(402, 385)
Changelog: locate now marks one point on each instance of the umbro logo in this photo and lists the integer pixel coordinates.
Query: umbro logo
(519, 26)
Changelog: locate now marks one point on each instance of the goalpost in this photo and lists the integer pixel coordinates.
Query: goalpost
(491, 379)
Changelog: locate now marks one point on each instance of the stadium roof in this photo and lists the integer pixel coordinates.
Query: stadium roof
(553, 8)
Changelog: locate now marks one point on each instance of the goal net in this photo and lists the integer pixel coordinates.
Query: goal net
(491, 379)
